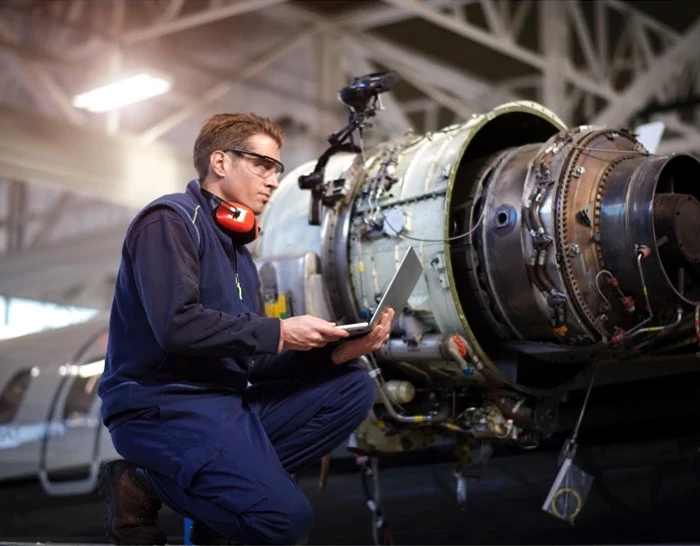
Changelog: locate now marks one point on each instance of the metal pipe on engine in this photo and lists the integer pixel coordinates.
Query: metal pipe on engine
(431, 347)
(679, 316)
(375, 372)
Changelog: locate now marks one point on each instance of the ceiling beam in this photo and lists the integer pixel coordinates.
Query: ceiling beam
(506, 46)
(387, 52)
(635, 96)
(368, 17)
(328, 54)
(172, 10)
(522, 10)
(200, 18)
(175, 96)
(47, 85)
(472, 32)
(414, 106)
(427, 73)
(629, 9)
(494, 19)
(33, 54)
(554, 43)
(117, 169)
(584, 38)
(676, 145)
(690, 140)
(253, 67)
(16, 216)
(75, 10)
(37, 80)
(51, 217)
(115, 62)
(432, 70)
(439, 97)
(393, 119)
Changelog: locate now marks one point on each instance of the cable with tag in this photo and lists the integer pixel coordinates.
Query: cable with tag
(570, 446)
(571, 485)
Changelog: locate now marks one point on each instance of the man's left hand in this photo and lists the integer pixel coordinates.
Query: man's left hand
(366, 344)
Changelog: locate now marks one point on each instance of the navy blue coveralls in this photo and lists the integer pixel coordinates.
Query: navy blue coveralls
(187, 335)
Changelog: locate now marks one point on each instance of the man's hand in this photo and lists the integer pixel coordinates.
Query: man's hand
(307, 332)
(366, 344)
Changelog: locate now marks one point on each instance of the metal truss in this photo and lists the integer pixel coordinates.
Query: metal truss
(579, 69)
(622, 73)
(614, 79)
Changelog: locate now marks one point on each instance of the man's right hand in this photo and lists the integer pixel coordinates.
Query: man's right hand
(307, 332)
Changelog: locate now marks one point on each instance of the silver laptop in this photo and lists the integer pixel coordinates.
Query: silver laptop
(395, 296)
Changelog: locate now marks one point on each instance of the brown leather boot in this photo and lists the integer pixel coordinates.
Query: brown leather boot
(132, 510)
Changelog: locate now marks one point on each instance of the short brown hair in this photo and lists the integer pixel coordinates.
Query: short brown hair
(230, 131)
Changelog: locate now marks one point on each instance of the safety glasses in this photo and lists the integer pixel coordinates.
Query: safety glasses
(259, 164)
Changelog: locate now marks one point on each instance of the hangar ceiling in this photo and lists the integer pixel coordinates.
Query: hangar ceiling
(71, 180)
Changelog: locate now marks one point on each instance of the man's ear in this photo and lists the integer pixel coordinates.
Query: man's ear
(217, 163)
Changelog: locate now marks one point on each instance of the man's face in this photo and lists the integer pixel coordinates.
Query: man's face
(248, 179)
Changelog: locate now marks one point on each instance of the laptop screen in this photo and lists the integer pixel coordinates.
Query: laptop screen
(400, 287)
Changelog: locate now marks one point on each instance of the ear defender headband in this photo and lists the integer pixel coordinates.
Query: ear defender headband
(235, 220)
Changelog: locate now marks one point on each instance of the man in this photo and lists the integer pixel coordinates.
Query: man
(188, 334)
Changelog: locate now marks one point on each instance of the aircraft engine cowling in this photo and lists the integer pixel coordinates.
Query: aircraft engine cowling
(544, 247)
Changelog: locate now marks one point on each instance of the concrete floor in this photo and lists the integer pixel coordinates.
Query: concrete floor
(644, 492)
(640, 444)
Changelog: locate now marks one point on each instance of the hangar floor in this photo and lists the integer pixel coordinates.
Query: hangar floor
(644, 492)
(640, 443)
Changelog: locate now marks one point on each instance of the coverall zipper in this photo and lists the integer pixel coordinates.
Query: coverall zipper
(234, 263)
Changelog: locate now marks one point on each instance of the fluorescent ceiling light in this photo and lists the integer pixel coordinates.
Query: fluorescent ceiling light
(118, 94)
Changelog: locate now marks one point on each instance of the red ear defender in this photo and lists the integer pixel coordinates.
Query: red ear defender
(234, 219)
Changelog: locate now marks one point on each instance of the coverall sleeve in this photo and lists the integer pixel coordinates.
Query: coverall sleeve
(166, 272)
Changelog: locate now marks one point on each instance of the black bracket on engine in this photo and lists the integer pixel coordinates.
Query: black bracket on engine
(319, 188)
(362, 98)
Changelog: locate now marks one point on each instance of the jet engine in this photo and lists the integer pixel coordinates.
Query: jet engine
(544, 249)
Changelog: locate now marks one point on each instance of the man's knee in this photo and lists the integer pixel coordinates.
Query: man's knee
(362, 393)
(368, 389)
(281, 521)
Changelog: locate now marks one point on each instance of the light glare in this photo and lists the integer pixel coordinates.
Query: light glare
(121, 93)
(91, 368)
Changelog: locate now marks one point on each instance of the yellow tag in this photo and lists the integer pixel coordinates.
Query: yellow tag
(278, 309)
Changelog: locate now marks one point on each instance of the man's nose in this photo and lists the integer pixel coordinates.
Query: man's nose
(273, 181)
